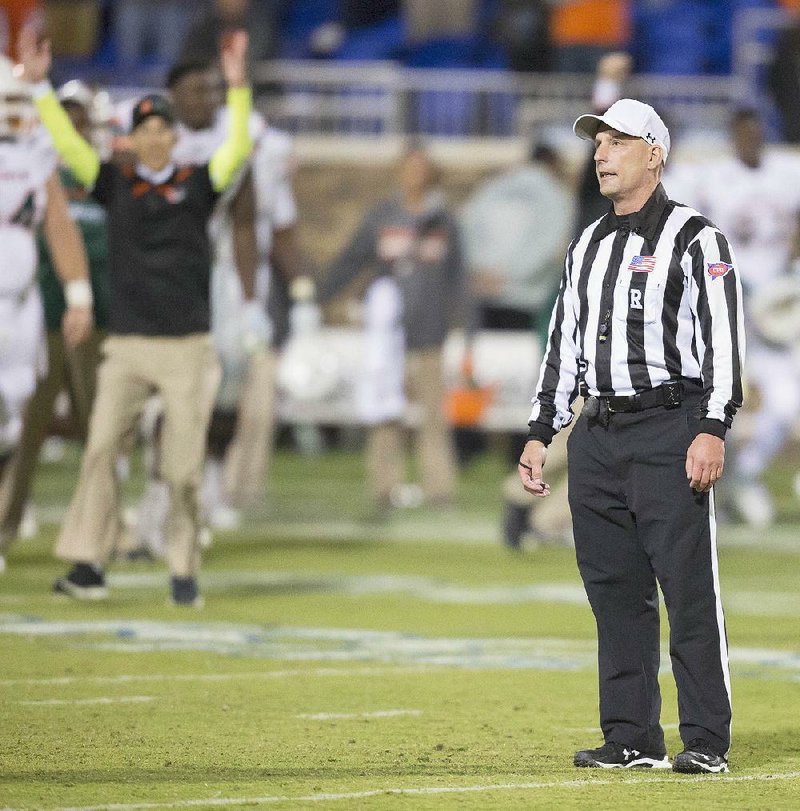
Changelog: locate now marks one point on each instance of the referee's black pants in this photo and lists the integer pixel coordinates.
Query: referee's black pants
(636, 521)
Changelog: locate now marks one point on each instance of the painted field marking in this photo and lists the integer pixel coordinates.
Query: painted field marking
(127, 678)
(347, 646)
(350, 646)
(52, 702)
(221, 802)
(344, 716)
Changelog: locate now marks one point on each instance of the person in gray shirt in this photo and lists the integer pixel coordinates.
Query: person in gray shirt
(409, 245)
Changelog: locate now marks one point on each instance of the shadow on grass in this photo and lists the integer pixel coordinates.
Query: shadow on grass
(757, 753)
(205, 774)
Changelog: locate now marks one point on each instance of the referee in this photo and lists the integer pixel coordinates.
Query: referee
(648, 327)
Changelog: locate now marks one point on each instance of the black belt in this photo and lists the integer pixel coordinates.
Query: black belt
(668, 395)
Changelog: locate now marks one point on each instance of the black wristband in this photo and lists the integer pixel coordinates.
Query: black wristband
(540, 432)
(711, 426)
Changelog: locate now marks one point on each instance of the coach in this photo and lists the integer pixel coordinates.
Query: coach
(648, 327)
(159, 268)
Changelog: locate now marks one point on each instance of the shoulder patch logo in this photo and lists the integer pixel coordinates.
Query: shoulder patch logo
(718, 269)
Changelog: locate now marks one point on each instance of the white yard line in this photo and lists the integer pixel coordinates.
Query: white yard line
(127, 678)
(345, 716)
(52, 702)
(222, 802)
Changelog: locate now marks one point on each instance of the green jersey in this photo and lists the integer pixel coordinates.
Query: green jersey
(90, 217)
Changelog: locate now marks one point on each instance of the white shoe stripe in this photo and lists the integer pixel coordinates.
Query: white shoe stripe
(720, 767)
(651, 763)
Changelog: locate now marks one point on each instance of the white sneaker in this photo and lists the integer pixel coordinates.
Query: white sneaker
(754, 504)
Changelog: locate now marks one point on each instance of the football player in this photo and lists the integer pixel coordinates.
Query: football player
(31, 195)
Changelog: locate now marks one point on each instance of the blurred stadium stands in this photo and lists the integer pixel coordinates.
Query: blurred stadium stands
(350, 98)
(695, 61)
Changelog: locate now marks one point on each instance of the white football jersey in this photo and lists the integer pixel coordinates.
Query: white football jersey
(272, 175)
(275, 208)
(271, 167)
(758, 210)
(25, 167)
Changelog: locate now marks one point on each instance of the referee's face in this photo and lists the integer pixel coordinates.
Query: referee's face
(626, 167)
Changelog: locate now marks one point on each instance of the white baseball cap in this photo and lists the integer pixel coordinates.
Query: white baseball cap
(631, 117)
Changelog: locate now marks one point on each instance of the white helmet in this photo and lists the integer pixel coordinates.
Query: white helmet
(99, 108)
(17, 112)
(78, 92)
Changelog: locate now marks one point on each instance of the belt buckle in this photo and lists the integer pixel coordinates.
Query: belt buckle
(633, 399)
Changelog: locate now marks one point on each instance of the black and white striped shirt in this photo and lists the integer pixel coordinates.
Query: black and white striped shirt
(645, 298)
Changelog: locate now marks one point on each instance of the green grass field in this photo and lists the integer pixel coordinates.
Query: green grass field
(339, 664)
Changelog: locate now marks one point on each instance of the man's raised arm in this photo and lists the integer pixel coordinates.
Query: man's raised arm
(76, 153)
(232, 154)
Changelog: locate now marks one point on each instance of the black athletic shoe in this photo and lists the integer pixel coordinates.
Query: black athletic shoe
(185, 592)
(83, 582)
(699, 758)
(515, 525)
(616, 756)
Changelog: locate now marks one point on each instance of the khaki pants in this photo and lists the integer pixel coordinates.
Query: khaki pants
(186, 373)
(432, 436)
(247, 458)
(74, 368)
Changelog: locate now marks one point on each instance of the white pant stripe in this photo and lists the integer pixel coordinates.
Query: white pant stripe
(723, 643)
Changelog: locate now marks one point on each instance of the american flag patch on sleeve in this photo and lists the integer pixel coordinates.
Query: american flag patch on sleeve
(642, 264)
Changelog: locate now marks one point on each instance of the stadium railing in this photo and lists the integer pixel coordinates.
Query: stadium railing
(382, 98)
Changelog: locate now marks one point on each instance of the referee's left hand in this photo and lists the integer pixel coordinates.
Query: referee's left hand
(705, 461)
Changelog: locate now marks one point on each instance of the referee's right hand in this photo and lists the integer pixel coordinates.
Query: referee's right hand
(530, 468)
